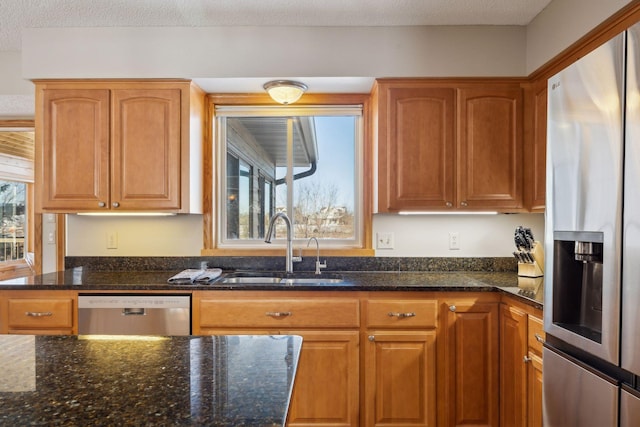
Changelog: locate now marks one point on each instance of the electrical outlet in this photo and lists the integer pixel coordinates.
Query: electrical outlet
(112, 240)
(384, 240)
(454, 240)
(51, 238)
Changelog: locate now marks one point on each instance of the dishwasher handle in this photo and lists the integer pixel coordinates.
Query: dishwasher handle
(133, 312)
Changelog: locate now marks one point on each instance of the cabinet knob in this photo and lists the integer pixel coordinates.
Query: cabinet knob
(452, 308)
(101, 204)
(115, 204)
(539, 338)
(372, 338)
(448, 204)
(526, 359)
(463, 203)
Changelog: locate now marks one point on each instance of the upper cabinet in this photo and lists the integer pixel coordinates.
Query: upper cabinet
(449, 144)
(125, 146)
(535, 151)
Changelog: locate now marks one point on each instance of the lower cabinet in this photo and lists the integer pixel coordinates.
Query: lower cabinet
(469, 368)
(535, 338)
(38, 312)
(513, 368)
(326, 390)
(521, 337)
(400, 365)
(400, 378)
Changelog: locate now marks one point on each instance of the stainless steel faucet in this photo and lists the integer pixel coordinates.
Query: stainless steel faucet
(318, 264)
(290, 258)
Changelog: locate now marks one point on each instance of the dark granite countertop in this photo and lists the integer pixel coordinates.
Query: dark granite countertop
(80, 278)
(213, 380)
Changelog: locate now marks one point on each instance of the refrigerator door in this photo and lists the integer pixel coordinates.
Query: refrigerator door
(574, 396)
(630, 344)
(584, 192)
(629, 408)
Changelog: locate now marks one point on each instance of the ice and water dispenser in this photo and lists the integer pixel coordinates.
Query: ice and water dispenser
(577, 283)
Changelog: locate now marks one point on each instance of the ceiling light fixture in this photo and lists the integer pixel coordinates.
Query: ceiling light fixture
(285, 91)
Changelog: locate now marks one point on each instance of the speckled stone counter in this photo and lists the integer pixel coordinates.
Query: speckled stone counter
(86, 279)
(213, 380)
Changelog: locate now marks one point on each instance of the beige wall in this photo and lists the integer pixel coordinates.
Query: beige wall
(305, 52)
(561, 24)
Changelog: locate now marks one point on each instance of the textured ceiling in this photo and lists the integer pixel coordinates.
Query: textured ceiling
(18, 14)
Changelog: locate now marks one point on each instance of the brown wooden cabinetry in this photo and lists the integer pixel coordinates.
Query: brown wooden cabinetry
(513, 371)
(449, 144)
(326, 391)
(400, 362)
(38, 312)
(115, 145)
(469, 369)
(535, 145)
(535, 333)
(416, 147)
(521, 336)
(489, 169)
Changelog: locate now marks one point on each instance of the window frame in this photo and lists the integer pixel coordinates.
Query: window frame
(211, 184)
(31, 263)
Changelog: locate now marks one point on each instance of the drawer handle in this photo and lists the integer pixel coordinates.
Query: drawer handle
(278, 313)
(526, 359)
(134, 312)
(38, 314)
(539, 338)
(401, 315)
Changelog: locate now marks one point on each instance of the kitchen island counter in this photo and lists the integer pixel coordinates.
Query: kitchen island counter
(239, 380)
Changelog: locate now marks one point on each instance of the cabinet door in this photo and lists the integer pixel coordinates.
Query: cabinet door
(73, 149)
(416, 148)
(490, 147)
(326, 391)
(535, 151)
(534, 391)
(400, 378)
(145, 149)
(513, 371)
(470, 364)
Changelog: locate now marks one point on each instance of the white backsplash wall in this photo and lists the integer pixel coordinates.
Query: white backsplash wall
(428, 235)
(413, 236)
(179, 235)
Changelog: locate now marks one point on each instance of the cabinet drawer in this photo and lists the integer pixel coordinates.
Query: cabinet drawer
(40, 313)
(535, 333)
(327, 313)
(402, 314)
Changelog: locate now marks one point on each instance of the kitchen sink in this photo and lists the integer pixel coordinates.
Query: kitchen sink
(311, 280)
(262, 279)
(251, 280)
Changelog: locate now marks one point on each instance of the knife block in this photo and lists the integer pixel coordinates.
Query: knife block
(535, 268)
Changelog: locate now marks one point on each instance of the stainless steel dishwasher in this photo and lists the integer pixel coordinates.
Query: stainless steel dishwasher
(134, 314)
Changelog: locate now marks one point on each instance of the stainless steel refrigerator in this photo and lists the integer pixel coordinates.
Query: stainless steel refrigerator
(591, 358)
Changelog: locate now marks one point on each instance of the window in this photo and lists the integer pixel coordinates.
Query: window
(16, 196)
(303, 161)
(13, 214)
